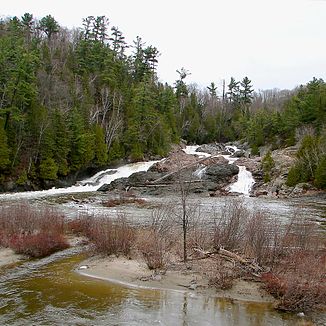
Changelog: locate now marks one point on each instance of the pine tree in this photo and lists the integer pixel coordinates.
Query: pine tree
(233, 93)
(49, 26)
(4, 150)
(212, 89)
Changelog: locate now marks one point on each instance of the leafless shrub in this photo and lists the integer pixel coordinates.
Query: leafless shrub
(301, 234)
(31, 231)
(162, 218)
(298, 282)
(111, 236)
(153, 248)
(229, 229)
(222, 275)
(155, 241)
(80, 226)
(38, 245)
(257, 236)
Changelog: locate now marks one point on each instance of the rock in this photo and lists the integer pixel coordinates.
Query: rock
(261, 192)
(173, 162)
(220, 172)
(135, 180)
(215, 160)
(157, 277)
(240, 153)
(213, 149)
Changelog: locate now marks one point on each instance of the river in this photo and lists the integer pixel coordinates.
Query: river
(53, 294)
(49, 292)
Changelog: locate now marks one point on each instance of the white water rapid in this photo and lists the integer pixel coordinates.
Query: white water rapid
(245, 179)
(88, 185)
(243, 185)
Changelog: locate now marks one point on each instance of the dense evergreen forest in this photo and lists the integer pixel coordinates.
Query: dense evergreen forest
(74, 99)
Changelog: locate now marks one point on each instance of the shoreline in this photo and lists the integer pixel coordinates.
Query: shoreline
(134, 274)
(8, 257)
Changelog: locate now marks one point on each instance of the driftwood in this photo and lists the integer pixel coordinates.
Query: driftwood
(246, 264)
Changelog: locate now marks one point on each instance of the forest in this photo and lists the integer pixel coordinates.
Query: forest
(76, 99)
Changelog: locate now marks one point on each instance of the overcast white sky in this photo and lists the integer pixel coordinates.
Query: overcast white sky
(276, 43)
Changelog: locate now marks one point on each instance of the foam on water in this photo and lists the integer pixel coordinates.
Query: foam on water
(243, 185)
(88, 185)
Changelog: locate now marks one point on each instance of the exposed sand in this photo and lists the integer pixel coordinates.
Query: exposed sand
(8, 257)
(133, 273)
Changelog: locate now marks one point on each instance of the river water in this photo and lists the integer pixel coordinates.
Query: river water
(53, 294)
(49, 292)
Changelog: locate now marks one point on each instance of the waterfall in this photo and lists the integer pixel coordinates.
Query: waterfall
(243, 185)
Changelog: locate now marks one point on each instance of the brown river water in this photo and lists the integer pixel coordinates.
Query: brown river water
(52, 293)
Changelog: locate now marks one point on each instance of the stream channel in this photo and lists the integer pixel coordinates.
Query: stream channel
(49, 292)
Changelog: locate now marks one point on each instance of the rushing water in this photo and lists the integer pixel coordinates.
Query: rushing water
(245, 179)
(49, 292)
(53, 294)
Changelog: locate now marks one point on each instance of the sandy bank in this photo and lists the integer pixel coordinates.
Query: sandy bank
(8, 257)
(133, 273)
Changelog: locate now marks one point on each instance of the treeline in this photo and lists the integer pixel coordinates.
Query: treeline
(70, 99)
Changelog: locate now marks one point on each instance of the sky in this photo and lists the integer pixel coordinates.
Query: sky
(277, 44)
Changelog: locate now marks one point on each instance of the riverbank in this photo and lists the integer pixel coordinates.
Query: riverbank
(8, 257)
(184, 278)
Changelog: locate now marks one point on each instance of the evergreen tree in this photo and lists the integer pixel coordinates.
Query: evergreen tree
(212, 89)
(49, 26)
(101, 155)
(4, 149)
(246, 97)
(233, 93)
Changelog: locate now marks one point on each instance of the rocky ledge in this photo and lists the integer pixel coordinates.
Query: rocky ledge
(201, 175)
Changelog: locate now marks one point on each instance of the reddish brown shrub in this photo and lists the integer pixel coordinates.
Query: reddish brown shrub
(230, 227)
(154, 248)
(123, 201)
(222, 275)
(31, 231)
(299, 282)
(80, 226)
(111, 236)
(38, 245)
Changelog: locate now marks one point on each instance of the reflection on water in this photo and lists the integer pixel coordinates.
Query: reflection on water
(55, 295)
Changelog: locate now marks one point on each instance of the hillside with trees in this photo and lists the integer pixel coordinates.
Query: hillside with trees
(81, 99)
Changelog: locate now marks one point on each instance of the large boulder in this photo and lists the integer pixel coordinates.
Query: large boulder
(220, 172)
(135, 180)
(213, 149)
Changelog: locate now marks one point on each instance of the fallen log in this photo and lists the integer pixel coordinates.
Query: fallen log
(255, 269)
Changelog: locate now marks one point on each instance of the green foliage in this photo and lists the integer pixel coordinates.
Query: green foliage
(49, 26)
(116, 151)
(77, 99)
(267, 164)
(320, 173)
(295, 175)
(22, 179)
(4, 149)
(48, 169)
(101, 155)
(82, 142)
